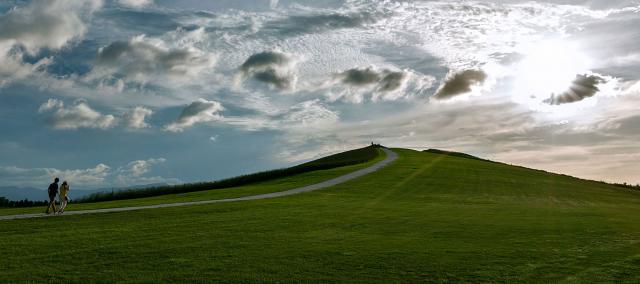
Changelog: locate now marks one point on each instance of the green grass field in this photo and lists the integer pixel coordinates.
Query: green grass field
(425, 218)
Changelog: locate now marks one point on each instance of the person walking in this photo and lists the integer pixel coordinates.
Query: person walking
(64, 190)
(53, 191)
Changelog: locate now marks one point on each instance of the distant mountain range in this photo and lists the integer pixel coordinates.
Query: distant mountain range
(35, 194)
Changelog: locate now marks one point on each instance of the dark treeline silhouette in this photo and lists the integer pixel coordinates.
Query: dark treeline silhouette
(4, 202)
(347, 158)
(626, 185)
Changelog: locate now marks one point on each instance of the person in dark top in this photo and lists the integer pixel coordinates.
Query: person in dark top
(53, 191)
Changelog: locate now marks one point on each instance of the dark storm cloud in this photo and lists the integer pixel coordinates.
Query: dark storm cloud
(264, 59)
(271, 67)
(307, 24)
(385, 80)
(460, 83)
(392, 81)
(582, 87)
(271, 76)
(360, 77)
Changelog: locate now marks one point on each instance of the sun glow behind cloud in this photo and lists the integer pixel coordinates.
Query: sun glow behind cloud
(549, 67)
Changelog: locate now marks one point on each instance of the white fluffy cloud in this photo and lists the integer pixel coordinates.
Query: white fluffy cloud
(140, 167)
(135, 3)
(13, 68)
(135, 118)
(134, 173)
(199, 111)
(40, 177)
(82, 115)
(40, 24)
(79, 115)
(46, 23)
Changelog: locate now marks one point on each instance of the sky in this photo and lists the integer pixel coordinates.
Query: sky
(127, 92)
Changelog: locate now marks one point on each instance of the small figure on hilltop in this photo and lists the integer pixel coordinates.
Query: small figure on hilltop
(53, 191)
(64, 190)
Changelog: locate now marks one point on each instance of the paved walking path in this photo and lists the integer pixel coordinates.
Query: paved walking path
(391, 156)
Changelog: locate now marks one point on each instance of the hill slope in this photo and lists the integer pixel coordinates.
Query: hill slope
(426, 217)
(343, 159)
(347, 158)
(311, 175)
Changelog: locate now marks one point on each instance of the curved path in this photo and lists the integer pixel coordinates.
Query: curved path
(391, 156)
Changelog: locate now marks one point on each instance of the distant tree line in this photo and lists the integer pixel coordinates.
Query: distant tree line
(4, 202)
(626, 185)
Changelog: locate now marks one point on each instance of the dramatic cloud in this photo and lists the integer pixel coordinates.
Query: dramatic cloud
(142, 58)
(271, 67)
(360, 77)
(382, 84)
(383, 80)
(199, 111)
(79, 115)
(582, 87)
(135, 118)
(135, 3)
(46, 23)
(41, 24)
(13, 68)
(460, 83)
(392, 81)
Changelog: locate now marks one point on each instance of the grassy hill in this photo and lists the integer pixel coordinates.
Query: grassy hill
(428, 217)
(352, 157)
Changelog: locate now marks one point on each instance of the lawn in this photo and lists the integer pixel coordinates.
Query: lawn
(425, 218)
